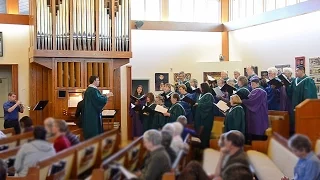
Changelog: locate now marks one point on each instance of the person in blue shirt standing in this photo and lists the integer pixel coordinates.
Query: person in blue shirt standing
(11, 110)
(308, 166)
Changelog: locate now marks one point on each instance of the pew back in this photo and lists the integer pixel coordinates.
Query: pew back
(9, 132)
(279, 122)
(16, 140)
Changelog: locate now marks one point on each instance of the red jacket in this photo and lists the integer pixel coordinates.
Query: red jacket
(61, 143)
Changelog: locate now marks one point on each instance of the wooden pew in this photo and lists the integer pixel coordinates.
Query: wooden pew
(279, 122)
(9, 132)
(131, 157)
(16, 140)
(77, 161)
(307, 119)
(180, 162)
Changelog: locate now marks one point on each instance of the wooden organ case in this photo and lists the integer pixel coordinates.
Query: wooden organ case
(70, 41)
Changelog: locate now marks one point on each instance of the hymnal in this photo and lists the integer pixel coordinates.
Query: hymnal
(161, 109)
(105, 91)
(228, 88)
(134, 99)
(222, 106)
(284, 79)
(218, 91)
(276, 82)
(188, 100)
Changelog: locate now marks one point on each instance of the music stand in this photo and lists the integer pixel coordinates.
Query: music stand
(40, 106)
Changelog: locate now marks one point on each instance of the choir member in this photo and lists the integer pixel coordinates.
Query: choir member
(243, 87)
(182, 80)
(167, 94)
(159, 119)
(135, 113)
(235, 117)
(175, 110)
(257, 110)
(94, 102)
(204, 114)
(187, 106)
(285, 101)
(224, 75)
(302, 88)
(220, 83)
(236, 75)
(250, 73)
(148, 112)
(273, 93)
(193, 84)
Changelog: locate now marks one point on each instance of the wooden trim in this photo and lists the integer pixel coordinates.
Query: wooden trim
(15, 80)
(275, 15)
(129, 90)
(12, 7)
(81, 54)
(14, 19)
(164, 10)
(225, 45)
(224, 11)
(179, 26)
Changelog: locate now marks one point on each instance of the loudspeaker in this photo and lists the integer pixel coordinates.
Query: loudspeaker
(62, 94)
(139, 24)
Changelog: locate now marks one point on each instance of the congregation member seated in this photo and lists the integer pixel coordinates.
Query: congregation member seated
(177, 142)
(26, 124)
(186, 131)
(2, 135)
(231, 153)
(48, 124)
(3, 170)
(61, 142)
(158, 162)
(32, 152)
(73, 139)
(166, 142)
(237, 171)
(308, 166)
(235, 117)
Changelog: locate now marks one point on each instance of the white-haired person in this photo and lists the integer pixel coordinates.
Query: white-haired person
(273, 92)
(186, 130)
(224, 75)
(158, 162)
(177, 142)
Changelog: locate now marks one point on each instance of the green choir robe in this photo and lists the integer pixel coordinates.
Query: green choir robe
(235, 119)
(302, 89)
(148, 117)
(94, 102)
(175, 111)
(159, 120)
(204, 117)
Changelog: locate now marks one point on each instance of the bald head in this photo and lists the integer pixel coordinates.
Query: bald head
(48, 124)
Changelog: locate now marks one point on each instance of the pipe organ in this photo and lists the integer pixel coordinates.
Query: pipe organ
(72, 40)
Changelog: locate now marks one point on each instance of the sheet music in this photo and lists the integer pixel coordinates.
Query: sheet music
(124, 171)
(73, 101)
(222, 106)
(210, 78)
(195, 139)
(105, 91)
(132, 106)
(218, 91)
(161, 109)
(108, 112)
(71, 123)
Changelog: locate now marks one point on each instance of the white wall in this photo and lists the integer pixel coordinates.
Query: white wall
(15, 47)
(277, 42)
(159, 51)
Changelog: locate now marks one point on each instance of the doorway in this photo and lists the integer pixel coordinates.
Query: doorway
(8, 83)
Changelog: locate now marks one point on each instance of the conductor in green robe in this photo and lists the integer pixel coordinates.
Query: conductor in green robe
(175, 110)
(204, 115)
(235, 117)
(302, 88)
(94, 102)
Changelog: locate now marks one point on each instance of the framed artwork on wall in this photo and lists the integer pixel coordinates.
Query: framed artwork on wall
(280, 68)
(160, 80)
(175, 77)
(215, 75)
(1, 45)
(143, 82)
(300, 61)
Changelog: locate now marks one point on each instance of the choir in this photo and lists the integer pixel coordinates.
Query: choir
(249, 98)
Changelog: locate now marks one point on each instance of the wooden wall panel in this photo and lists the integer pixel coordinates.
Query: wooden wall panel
(66, 74)
(129, 90)
(14, 76)
(106, 71)
(78, 74)
(117, 93)
(60, 74)
(101, 76)
(72, 74)
(89, 71)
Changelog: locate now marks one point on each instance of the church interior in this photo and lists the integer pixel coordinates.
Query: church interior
(209, 75)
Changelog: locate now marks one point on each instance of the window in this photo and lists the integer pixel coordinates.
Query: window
(137, 9)
(24, 7)
(146, 10)
(194, 10)
(270, 5)
(3, 6)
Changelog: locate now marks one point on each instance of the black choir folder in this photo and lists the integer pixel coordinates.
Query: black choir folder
(276, 82)
(188, 100)
(134, 99)
(242, 95)
(284, 80)
(196, 90)
(228, 88)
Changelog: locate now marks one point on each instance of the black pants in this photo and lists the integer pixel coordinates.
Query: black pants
(13, 124)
